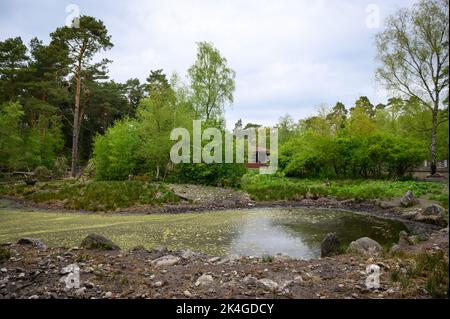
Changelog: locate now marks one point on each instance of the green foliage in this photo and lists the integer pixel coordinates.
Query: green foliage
(5, 254)
(95, 195)
(266, 187)
(212, 83)
(142, 145)
(11, 138)
(42, 173)
(215, 174)
(267, 258)
(441, 198)
(433, 268)
(60, 167)
(370, 155)
(115, 152)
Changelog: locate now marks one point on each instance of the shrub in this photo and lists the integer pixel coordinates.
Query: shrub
(60, 167)
(227, 175)
(373, 155)
(5, 254)
(42, 173)
(115, 152)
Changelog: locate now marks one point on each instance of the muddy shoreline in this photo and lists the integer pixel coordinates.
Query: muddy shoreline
(36, 272)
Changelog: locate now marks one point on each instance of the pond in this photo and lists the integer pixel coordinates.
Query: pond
(296, 232)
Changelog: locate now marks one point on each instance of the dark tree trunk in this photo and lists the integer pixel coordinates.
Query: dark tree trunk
(76, 124)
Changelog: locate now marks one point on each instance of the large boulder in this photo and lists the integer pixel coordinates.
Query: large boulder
(434, 210)
(330, 245)
(94, 241)
(433, 214)
(364, 246)
(409, 199)
(35, 242)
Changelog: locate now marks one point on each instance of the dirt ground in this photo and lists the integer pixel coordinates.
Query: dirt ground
(34, 272)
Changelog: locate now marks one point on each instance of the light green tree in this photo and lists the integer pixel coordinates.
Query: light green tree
(212, 83)
(414, 57)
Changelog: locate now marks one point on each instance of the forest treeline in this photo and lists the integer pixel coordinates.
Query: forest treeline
(59, 110)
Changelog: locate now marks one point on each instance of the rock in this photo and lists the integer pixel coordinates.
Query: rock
(213, 260)
(187, 294)
(298, 279)
(408, 199)
(410, 214)
(165, 261)
(438, 220)
(108, 294)
(204, 280)
(80, 292)
(364, 246)
(89, 285)
(269, 284)
(281, 257)
(434, 210)
(94, 241)
(404, 239)
(385, 205)
(187, 254)
(286, 284)
(158, 284)
(3, 270)
(330, 245)
(250, 280)
(36, 242)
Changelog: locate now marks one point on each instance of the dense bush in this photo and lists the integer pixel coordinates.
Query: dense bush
(60, 167)
(373, 155)
(209, 174)
(115, 152)
(42, 173)
(27, 146)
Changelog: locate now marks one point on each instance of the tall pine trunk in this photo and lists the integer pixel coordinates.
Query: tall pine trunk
(76, 123)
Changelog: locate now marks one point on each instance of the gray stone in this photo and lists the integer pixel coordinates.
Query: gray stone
(36, 242)
(213, 260)
(434, 210)
(269, 284)
(80, 292)
(166, 261)
(94, 241)
(330, 245)
(408, 199)
(250, 280)
(187, 254)
(404, 240)
(364, 246)
(204, 280)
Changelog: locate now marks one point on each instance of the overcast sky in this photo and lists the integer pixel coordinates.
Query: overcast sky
(289, 56)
